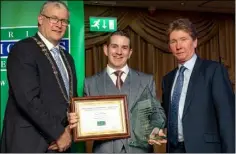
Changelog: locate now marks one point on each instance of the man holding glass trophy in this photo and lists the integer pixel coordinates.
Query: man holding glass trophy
(146, 116)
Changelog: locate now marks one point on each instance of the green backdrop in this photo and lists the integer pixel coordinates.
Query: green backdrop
(19, 20)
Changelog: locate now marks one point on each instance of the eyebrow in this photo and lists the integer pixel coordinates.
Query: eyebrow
(118, 45)
(125, 46)
(113, 44)
(53, 16)
(180, 38)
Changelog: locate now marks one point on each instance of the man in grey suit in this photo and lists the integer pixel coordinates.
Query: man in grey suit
(118, 79)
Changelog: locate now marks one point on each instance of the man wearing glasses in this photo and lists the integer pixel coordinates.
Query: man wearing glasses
(42, 80)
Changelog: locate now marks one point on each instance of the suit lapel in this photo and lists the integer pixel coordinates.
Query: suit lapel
(135, 88)
(169, 83)
(191, 85)
(67, 64)
(100, 82)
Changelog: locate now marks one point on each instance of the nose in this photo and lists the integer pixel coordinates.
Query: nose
(59, 23)
(178, 45)
(119, 51)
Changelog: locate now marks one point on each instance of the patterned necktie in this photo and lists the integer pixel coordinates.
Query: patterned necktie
(119, 81)
(174, 108)
(60, 66)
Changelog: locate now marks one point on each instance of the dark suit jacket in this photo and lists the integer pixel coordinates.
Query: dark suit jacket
(36, 110)
(209, 111)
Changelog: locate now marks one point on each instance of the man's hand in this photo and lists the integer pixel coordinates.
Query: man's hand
(73, 119)
(64, 140)
(53, 146)
(156, 137)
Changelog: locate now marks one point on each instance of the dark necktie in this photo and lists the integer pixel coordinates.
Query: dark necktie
(119, 81)
(61, 68)
(174, 108)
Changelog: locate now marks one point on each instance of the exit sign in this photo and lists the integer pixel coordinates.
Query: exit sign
(102, 24)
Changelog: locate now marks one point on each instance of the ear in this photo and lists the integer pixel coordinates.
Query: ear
(195, 43)
(105, 49)
(40, 20)
(130, 52)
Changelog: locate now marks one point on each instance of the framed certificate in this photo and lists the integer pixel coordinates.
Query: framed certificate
(101, 117)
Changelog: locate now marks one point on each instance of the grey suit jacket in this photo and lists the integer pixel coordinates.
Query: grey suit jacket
(97, 86)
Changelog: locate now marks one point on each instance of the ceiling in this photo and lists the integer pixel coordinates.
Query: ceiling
(220, 6)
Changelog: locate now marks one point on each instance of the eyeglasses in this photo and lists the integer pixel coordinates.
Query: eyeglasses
(54, 20)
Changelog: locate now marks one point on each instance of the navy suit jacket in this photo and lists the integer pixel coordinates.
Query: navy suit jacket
(36, 110)
(209, 110)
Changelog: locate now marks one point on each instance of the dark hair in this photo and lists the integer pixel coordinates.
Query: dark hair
(119, 33)
(183, 24)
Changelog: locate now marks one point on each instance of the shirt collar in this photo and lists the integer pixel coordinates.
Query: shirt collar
(110, 70)
(190, 63)
(48, 44)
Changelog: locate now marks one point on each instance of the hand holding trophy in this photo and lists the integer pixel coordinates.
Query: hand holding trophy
(157, 137)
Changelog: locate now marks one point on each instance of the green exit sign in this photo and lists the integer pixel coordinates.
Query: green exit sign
(103, 24)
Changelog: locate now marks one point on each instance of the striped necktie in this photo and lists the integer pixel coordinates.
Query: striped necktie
(119, 81)
(61, 68)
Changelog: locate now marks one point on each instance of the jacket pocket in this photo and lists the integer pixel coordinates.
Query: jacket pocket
(212, 137)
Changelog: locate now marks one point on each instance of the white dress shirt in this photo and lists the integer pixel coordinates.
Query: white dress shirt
(49, 45)
(187, 74)
(110, 72)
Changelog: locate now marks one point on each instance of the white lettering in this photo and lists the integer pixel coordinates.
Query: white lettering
(10, 34)
(1, 52)
(8, 47)
(27, 33)
(62, 44)
(3, 64)
(3, 83)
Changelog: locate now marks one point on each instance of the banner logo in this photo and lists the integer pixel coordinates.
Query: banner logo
(11, 35)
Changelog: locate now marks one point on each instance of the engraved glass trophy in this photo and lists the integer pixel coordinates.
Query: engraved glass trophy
(146, 115)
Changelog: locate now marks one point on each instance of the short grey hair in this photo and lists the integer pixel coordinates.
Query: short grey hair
(58, 4)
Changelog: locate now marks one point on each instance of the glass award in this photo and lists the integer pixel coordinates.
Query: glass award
(147, 114)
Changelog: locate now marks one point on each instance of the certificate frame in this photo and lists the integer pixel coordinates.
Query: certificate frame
(92, 108)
